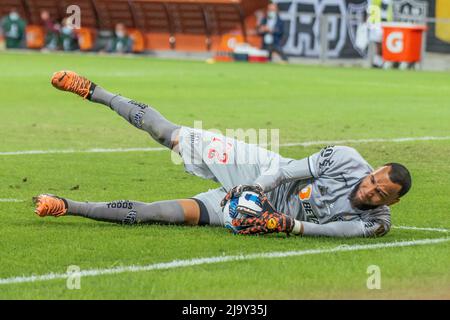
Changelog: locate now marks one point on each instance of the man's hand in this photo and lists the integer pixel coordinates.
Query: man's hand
(266, 223)
(238, 190)
(264, 28)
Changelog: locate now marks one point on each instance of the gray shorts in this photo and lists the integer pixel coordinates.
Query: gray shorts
(228, 161)
(211, 201)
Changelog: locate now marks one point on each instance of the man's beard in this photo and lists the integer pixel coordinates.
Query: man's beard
(355, 203)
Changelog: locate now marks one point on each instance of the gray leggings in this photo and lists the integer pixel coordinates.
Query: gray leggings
(139, 115)
(128, 212)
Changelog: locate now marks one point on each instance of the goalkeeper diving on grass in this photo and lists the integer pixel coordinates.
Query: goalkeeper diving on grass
(333, 192)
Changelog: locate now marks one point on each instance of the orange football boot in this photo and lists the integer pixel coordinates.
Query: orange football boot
(72, 82)
(49, 205)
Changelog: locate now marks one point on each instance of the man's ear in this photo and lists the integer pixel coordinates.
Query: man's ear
(394, 202)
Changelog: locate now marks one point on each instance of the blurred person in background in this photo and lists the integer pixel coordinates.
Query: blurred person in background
(271, 29)
(51, 30)
(13, 27)
(121, 42)
(69, 38)
(379, 11)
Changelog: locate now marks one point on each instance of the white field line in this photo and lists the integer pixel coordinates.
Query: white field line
(11, 200)
(291, 144)
(421, 229)
(218, 259)
(65, 151)
(337, 142)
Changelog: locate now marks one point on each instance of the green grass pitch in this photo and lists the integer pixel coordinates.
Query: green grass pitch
(307, 103)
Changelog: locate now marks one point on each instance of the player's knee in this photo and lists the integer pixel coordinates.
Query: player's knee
(162, 130)
(160, 211)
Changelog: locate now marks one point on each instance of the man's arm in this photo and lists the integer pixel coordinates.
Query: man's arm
(345, 229)
(329, 160)
(274, 222)
(294, 170)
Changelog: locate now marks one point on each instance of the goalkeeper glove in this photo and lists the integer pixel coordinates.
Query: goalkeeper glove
(238, 190)
(268, 222)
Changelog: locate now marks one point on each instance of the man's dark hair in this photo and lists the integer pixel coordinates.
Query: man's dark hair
(401, 176)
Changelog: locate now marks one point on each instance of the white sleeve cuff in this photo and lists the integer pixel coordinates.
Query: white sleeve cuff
(297, 227)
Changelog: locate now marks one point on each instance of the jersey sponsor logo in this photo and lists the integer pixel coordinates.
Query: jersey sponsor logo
(305, 193)
(309, 212)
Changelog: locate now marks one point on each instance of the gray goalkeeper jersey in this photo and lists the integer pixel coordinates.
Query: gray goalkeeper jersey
(316, 190)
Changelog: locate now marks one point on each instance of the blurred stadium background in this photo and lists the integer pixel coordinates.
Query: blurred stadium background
(313, 29)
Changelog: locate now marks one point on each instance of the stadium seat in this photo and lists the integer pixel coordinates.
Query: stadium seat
(191, 42)
(225, 23)
(35, 37)
(112, 12)
(255, 41)
(191, 31)
(215, 41)
(158, 41)
(152, 18)
(86, 38)
(138, 40)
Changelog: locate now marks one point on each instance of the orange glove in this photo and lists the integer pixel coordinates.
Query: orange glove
(268, 222)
